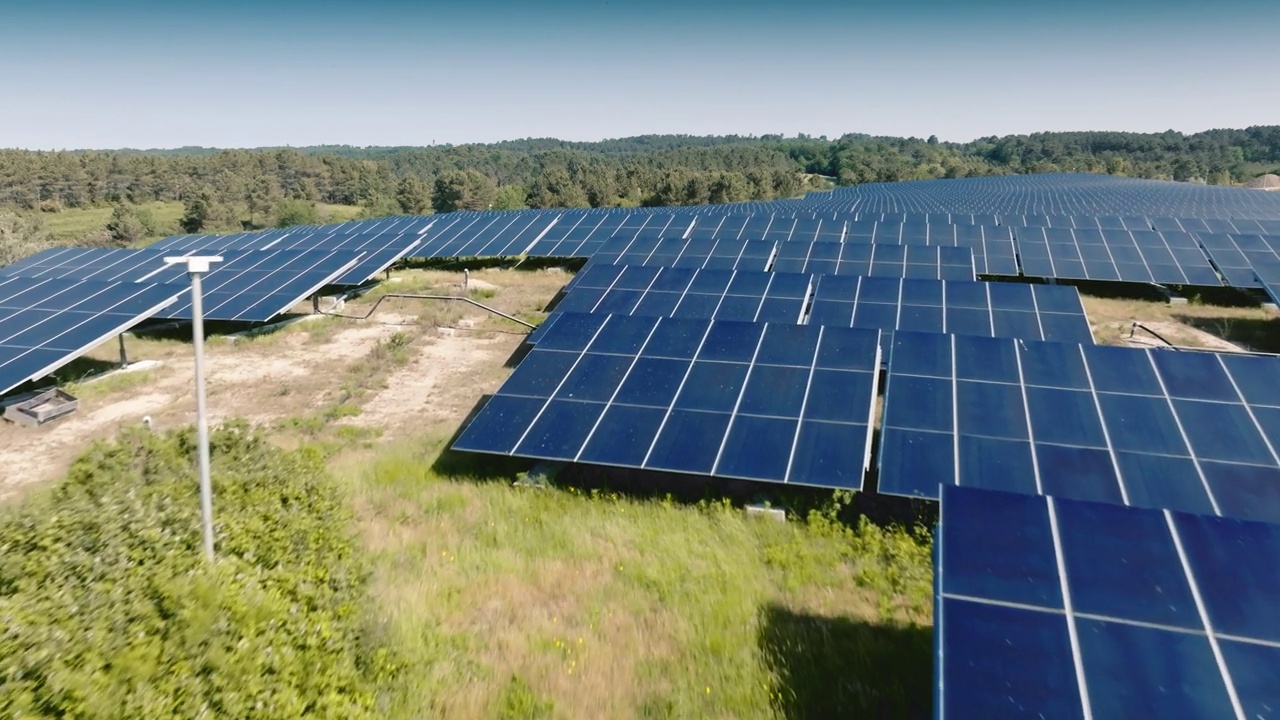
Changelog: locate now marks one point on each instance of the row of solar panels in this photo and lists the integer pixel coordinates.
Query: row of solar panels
(888, 303)
(58, 304)
(467, 234)
(1050, 194)
(1172, 257)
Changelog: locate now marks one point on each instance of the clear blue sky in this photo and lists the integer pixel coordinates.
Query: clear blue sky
(231, 73)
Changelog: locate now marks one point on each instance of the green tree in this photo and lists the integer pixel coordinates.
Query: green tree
(200, 211)
(126, 225)
(21, 235)
(379, 206)
(554, 188)
(511, 197)
(463, 190)
(729, 187)
(785, 183)
(261, 196)
(413, 196)
(295, 211)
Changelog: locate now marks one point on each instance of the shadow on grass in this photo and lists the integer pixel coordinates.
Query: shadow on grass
(1262, 335)
(838, 667)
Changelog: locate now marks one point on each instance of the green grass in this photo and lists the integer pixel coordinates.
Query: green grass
(559, 603)
(337, 213)
(80, 222)
(111, 383)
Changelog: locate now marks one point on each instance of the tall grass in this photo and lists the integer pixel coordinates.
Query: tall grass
(563, 603)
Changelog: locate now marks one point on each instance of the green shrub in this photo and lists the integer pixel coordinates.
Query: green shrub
(107, 608)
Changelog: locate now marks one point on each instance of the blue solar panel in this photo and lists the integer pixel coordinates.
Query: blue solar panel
(1039, 312)
(1076, 609)
(248, 286)
(1195, 432)
(740, 400)
(46, 323)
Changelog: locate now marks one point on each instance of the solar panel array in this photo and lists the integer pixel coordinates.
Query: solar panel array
(1098, 554)
(45, 323)
(1052, 194)
(1041, 312)
(756, 401)
(1087, 610)
(379, 247)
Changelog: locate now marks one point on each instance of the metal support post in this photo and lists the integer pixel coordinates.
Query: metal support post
(196, 267)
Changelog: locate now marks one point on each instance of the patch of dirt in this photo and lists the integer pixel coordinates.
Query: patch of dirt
(1175, 333)
(29, 455)
(259, 382)
(476, 283)
(441, 383)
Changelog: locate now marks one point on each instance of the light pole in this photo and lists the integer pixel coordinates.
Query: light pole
(197, 266)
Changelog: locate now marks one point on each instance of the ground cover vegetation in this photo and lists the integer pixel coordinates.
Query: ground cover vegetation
(407, 583)
(366, 571)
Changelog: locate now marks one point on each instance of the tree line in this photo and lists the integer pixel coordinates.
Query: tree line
(223, 189)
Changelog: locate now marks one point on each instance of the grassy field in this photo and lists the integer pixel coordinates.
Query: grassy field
(337, 213)
(81, 222)
(510, 602)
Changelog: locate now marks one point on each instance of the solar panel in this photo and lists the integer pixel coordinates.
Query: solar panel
(1236, 256)
(1040, 312)
(46, 323)
(257, 286)
(754, 401)
(1080, 610)
(1194, 432)
(1124, 203)
(248, 286)
(850, 258)
(1142, 256)
(876, 259)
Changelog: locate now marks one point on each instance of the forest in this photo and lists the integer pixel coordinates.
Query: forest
(234, 189)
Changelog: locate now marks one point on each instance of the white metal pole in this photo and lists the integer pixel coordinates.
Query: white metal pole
(196, 267)
(202, 422)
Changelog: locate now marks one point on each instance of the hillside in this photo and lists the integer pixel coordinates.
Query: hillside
(648, 170)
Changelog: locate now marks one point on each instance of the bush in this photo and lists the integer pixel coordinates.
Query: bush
(293, 211)
(107, 608)
(129, 224)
